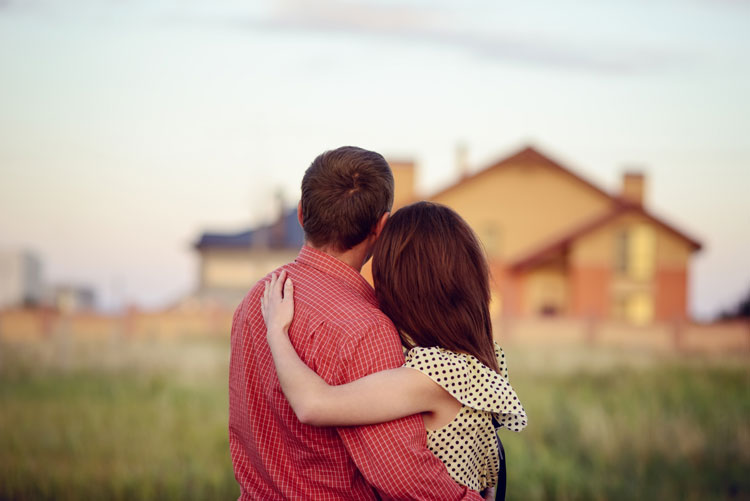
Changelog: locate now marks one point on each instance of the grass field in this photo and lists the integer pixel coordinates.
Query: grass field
(671, 430)
(148, 421)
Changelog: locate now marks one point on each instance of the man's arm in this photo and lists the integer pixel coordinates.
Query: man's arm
(393, 457)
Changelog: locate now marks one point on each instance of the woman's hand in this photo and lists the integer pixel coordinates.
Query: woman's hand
(277, 303)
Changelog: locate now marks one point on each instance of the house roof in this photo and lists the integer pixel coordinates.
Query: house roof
(526, 156)
(563, 242)
(531, 156)
(284, 233)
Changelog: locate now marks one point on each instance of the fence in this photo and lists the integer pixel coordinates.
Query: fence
(714, 338)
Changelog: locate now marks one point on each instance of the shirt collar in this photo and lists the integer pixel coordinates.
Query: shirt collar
(325, 263)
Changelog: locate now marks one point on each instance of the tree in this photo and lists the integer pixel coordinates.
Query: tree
(742, 310)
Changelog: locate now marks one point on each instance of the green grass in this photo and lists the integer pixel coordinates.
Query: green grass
(150, 422)
(96, 433)
(681, 431)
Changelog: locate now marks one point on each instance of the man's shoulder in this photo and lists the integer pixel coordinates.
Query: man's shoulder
(324, 302)
(340, 308)
(327, 302)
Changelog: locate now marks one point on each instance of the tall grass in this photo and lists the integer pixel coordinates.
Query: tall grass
(149, 421)
(94, 432)
(679, 431)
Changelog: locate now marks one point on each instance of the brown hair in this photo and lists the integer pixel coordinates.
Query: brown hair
(431, 278)
(344, 193)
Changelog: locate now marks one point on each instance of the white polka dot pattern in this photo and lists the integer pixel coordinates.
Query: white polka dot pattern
(468, 444)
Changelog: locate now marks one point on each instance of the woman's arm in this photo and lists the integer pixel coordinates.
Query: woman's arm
(379, 397)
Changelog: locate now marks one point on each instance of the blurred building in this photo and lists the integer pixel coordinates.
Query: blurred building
(560, 245)
(231, 263)
(71, 298)
(20, 279)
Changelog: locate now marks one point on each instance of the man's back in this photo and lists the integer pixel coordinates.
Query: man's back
(339, 332)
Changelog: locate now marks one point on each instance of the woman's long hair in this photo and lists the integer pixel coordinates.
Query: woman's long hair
(432, 279)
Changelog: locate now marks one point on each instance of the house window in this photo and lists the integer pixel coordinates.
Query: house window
(636, 252)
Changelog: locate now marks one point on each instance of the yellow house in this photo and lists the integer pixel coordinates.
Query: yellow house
(559, 245)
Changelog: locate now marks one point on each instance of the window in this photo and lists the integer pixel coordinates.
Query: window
(636, 252)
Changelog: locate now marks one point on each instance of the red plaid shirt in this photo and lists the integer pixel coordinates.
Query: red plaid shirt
(340, 333)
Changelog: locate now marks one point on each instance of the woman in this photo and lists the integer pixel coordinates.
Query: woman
(431, 278)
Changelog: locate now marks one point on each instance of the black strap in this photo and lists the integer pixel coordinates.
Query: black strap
(502, 475)
(502, 478)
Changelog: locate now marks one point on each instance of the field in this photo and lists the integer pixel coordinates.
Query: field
(147, 420)
(660, 428)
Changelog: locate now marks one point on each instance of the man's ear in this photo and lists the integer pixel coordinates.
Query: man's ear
(299, 213)
(381, 224)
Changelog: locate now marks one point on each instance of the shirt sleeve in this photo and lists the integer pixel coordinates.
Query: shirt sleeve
(393, 457)
(502, 364)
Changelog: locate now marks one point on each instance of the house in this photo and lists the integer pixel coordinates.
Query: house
(69, 298)
(20, 279)
(231, 263)
(557, 244)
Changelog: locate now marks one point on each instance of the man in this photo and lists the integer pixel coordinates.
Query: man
(339, 332)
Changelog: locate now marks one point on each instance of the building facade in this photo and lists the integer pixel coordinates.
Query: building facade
(20, 279)
(231, 263)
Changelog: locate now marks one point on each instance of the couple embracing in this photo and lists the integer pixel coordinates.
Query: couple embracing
(322, 403)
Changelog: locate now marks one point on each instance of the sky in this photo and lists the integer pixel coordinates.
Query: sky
(129, 127)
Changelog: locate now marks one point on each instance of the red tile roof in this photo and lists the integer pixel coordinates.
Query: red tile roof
(563, 242)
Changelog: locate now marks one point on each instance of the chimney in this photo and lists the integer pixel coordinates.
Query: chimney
(633, 185)
(403, 178)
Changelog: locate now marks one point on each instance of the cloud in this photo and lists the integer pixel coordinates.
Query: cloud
(428, 24)
(483, 33)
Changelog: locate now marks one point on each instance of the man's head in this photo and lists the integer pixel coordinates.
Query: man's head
(345, 193)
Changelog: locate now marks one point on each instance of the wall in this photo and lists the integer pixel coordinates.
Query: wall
(404, 177)
(240, 269)
(33, 324)
(545, 291)
(20, 326)
(657, 292)
(20, 278)
(517, 208)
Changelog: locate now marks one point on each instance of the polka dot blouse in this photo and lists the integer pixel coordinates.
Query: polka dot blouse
(468, 444)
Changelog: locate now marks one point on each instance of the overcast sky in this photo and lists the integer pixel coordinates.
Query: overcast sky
(128, 127)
